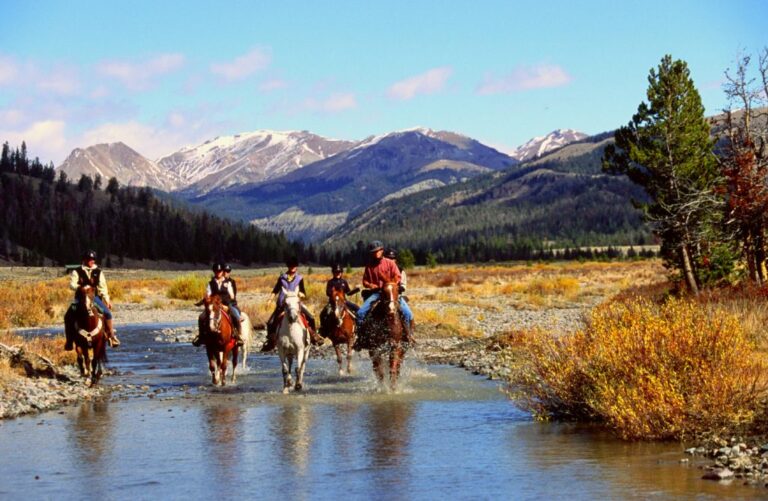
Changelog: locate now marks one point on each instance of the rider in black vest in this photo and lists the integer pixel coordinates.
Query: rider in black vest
(89, 275)
(227, 290)
(337, 282)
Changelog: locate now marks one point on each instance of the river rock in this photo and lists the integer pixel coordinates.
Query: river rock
(718, 474)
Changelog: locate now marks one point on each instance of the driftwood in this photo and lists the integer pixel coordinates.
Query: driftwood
(34, 365)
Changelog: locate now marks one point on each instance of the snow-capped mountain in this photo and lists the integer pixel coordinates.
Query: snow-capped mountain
(119, 161)
(538, 146)
(250, 157)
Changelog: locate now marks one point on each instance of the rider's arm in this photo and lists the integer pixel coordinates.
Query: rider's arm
(368, 278)
(103, 290)
(302, 291)
(208, 290)
(74, 280)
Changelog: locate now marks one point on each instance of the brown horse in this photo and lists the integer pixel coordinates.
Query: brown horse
(90, 339)
(219, 340)
(384, 329)
(341, 328)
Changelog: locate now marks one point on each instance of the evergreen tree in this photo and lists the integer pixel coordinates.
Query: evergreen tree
(667, 150)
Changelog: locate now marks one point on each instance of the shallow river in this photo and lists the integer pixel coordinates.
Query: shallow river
(447, 434)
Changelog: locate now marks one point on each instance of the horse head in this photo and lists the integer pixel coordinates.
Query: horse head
(84, 297)
(213, 308)
(389, 296)
(291, 305)
(339, 304)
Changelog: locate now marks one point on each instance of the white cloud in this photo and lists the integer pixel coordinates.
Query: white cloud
(140, 75)
(334, 103)
(9, 70)
(243, 66)
(525, 78)
(151, 142)
(273, 84)
(428, 82)
(62, 80)
(45, 139)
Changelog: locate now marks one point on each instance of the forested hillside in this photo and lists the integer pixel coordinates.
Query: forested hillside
(561, 200)
(47, 219)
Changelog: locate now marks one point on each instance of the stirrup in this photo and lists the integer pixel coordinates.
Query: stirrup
(113, 341)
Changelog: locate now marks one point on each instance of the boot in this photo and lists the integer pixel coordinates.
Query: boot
(409, 327)
(111, 334)
(238, 335)
(317, 340)
(271, 341)
(200, 326)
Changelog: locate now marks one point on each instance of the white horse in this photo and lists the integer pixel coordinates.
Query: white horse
(292, 341)
(246, 332)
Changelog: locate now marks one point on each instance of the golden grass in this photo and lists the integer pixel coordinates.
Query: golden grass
(50, 347)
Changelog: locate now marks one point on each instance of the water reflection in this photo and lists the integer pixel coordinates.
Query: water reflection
(291, 425)
(224, 426)
(91, 441)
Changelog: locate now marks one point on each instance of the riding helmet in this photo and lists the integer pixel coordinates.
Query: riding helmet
(89, 254)
(375, 246)
(390, 253)
(227, 268)
(292, 262)
(336, 268)
(217, 267)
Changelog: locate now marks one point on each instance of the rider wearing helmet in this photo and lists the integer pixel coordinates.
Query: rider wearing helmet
(378, 271)
(337, 282)
(291, 281)
(87, 275)
(225, 288)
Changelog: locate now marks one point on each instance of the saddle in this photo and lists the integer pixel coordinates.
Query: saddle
(281, 315)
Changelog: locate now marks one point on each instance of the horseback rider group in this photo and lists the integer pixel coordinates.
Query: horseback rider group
(380, 269)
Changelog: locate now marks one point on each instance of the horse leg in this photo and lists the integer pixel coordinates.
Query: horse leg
(395, 359)
(234, 362)
(80, 362)
(222, 357)
(213, 369)
(378, 368)
(286, 364)
(349, 357)
(301, 363)
(337, 347)
(87, 365)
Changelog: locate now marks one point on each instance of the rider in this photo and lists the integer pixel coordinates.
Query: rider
(225, 287)
(337, 282)
(88, 275)
(392, 254)
(291, 281)
(378, 271)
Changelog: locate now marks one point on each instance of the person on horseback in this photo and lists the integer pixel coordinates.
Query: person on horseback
(87, 275)
(378, 271)
(227, 289)
(291, 280)
(337, 282)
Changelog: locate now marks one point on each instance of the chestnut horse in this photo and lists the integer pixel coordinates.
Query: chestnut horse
(91, 339)
(341, 328)
(384, 331)
(219, 340)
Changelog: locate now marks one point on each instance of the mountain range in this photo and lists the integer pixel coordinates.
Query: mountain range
(308, 186)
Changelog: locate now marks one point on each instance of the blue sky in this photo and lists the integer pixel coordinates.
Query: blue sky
(164, 74)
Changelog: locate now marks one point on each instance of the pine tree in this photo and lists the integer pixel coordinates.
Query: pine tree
(666, 148)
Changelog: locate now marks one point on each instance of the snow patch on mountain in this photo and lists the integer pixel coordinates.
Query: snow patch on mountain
(540, 145)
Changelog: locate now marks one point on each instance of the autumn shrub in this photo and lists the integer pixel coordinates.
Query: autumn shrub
(25, 304)
(647, 370)
(187, 287)
(50, 347)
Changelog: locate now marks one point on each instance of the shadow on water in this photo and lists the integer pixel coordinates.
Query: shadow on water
(445, 434)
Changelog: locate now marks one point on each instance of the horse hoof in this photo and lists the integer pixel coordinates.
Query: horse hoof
(341, 372)
(286, 390)
(88, 382)
(298, 387)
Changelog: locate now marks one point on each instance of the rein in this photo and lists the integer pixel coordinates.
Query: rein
(89, 335)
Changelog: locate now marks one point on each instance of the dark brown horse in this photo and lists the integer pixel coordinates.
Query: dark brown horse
(90, 339)
(341, 328)
(384, 329)
(219, 340)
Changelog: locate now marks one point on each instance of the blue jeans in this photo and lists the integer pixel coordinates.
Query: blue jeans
(235, 313)
(103, 307)
(363, 311)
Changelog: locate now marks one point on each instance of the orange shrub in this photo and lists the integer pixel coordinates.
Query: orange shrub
(646, 370)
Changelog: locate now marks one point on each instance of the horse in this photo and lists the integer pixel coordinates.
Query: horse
(341, 328)
(292, 341)
(90, 339)
(383, 328)
(246, 333)
(220, 341)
